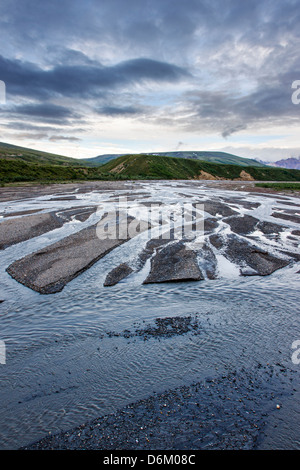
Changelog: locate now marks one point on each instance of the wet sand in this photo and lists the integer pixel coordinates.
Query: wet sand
(220, 413)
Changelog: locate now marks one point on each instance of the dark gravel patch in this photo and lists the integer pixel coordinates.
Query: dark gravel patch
(150, 248)
(261, 262)
(78, 213)
(174, 263)
(290, 217)
(163, 328)
(117, 274)
(210, 225)
(242, 225)
(242, 202)
(218, 208)
(207, 261)
(268, 228)
(247, 224)
(48, 270)
(20, 213)
(63, 198)
(251, 259)
(224, 412)
(16, 230)
(217, 241)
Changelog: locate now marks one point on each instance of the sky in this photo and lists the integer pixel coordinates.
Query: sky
(86, 78)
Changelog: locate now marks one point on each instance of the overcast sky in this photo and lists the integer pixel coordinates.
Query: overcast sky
(89, 77)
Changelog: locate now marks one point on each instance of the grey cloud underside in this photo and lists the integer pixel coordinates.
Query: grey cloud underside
(27, 79)
(144, 24)
(192, 44)
(36, 115)
(46, 110)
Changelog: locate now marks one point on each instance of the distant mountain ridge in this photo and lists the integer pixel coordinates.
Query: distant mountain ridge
(292, 163)
(212, 157)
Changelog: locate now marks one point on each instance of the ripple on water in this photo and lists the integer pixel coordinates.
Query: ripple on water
(63, 368)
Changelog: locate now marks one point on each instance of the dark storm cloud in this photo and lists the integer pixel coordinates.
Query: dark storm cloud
(41, 113)
(87, 50)
(29, 80)
(129, 23)
(229, 130)
(43, 116)
(45, 110)
(145, 23)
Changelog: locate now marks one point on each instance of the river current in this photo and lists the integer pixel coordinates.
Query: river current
(63, 367)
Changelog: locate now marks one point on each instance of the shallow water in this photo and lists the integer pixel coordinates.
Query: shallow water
(63, 368)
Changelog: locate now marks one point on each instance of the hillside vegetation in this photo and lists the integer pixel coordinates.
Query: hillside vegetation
(155, 167)
(16, 153)
(15, 170)
(212, 157)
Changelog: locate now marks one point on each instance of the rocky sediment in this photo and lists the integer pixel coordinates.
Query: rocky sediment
(48, 270)
(221, 412)
(174, 263)
(162, 328)
(218, 208)
(117, 274)
(19, 229)
(251, 259)
(240, 238)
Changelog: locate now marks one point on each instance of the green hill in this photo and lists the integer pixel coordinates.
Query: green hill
(156, 167)
(134, 167)
(100, 160)
(212, 157)
(16, 153)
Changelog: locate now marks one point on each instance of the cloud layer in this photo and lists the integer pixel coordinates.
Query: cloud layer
(78, 71)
